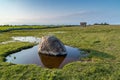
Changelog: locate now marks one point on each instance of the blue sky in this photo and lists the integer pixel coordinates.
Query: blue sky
(56, 12)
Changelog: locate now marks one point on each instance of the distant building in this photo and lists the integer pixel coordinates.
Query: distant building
(83, 24)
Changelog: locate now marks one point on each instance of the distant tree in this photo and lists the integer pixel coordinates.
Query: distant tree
(96, 23)
(105, 23)
(101, 23)
(7, 25)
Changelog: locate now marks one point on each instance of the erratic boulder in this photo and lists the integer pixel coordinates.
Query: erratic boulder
(52, 46)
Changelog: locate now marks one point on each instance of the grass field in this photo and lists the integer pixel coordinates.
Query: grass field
(101, 42)
(6, 28)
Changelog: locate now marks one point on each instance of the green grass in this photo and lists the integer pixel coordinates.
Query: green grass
(10, 28)
(9, 48)
(102, 43)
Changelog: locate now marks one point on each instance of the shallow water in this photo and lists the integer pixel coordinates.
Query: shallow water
(59, 32)
(6, 42)
(30, 39)
(27, 39)
(31, 56)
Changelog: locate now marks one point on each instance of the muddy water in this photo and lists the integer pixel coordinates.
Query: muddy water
(31, 56)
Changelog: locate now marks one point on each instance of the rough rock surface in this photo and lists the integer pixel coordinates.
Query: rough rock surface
(52, 46)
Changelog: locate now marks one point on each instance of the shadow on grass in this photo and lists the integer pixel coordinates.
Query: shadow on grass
(98, 55)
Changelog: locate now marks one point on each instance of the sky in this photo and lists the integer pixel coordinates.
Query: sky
(59, 12)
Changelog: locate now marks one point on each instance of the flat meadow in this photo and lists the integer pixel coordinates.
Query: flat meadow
(100, 42)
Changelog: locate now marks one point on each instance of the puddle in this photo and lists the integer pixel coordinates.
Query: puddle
(30, 39)
(58, 32)
(27, 39)
(6, 42)
(31, 56)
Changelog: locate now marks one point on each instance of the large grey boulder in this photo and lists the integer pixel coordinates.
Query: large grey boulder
(52, 46)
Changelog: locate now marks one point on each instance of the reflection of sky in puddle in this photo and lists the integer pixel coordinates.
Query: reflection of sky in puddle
(31, 56)
(27, 39)
(58, 32)
(30, 39)
(6, 42)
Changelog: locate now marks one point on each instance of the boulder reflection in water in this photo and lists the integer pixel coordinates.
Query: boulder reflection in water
(51, 61)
